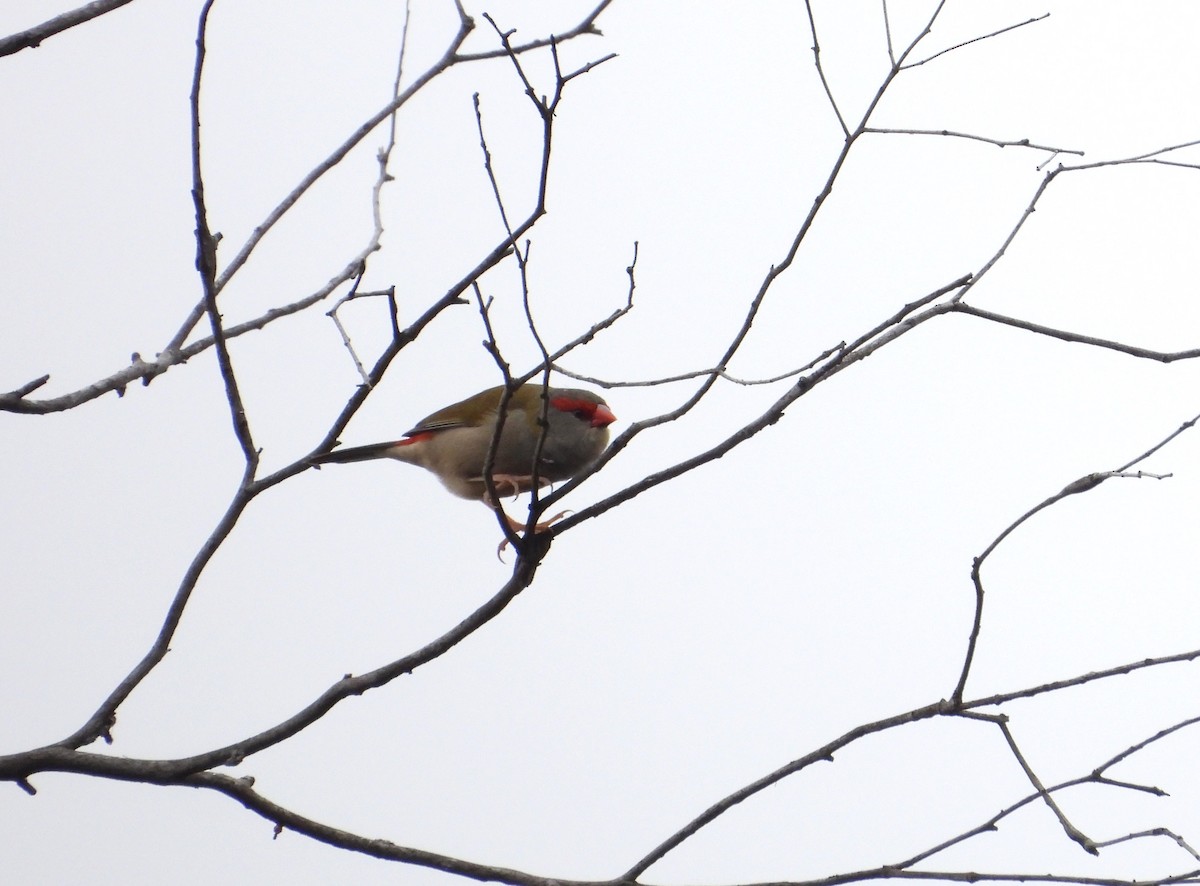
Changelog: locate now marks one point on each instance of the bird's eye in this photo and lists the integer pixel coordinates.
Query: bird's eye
(582, 414)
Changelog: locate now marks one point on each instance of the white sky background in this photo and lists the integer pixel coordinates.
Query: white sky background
(711, 630)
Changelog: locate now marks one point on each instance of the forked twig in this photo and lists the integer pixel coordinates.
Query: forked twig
(1083, 484)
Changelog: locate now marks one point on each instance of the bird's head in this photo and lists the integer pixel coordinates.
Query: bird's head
(584, 406)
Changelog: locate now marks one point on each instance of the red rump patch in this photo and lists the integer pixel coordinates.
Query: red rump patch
(414, 438)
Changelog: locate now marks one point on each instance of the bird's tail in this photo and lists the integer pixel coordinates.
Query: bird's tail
(359, 453)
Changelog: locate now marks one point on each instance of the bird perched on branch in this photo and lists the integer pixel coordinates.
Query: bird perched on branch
(453, 443)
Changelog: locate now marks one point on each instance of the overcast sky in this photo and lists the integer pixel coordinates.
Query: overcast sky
(705, 633)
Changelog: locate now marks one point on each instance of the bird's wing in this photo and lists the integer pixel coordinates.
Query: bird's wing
(469, 413)
(431, 425)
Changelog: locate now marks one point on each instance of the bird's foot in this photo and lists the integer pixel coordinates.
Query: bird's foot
(518, 527)
(514, 483)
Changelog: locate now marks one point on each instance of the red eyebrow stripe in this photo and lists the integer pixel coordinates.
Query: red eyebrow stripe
(570, 404)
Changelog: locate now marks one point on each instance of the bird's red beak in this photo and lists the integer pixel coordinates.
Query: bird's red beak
(602, 417)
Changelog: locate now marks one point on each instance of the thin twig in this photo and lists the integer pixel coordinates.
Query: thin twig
(206, 264)
(586, 26)
(332, 314)
(1073, 832)
(887, 30)
(1155, 832)
(816, 51)
(702, 373)
(1075, 337)
(995, 33)
(949, 133)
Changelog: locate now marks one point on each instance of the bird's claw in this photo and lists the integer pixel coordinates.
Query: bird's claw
(509, 481)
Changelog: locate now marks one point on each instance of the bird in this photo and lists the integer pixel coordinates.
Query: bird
(453, 443)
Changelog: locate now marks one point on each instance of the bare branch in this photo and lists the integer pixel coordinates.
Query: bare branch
(701, 373)
(100, 723)
(31, 38)
(587, 26)
(954, 706)
(385, 113)
(170, 354)
(1073, 832)
(902, 870)
(490, 344)
(996, 33)
(1078, 338)
(19, 394)
(1157, 152)
(63, 756)
(489, 460)
(1083, 484)
(596, 328)
(1082, 679)
(887, 30)
(332, 314)
(899, 64)
(487, 164)
(1093, 778)
(1155, 832)
(1135, 748)
(1012, 235)
(439, 67)
(376, 239)
(843, 356)
(756, 302)
(242, 790)
(206, 264)
(146, 371)
(948, 133)
(822, 754)
(816, 51)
